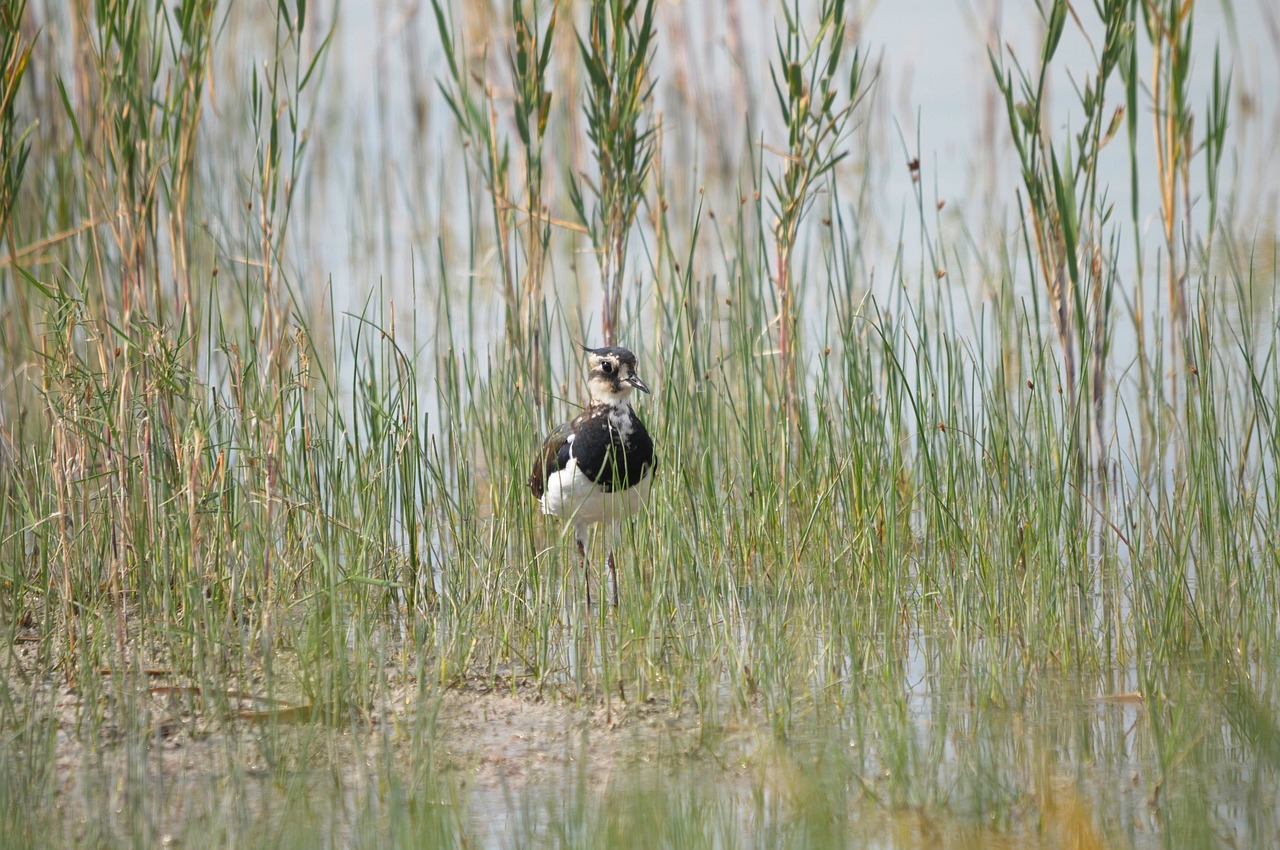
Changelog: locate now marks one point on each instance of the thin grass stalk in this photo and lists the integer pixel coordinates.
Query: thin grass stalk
(529, 65)
(15, 147)
(808, 81)
(280, 125)
(1169, 28)
(1065, 209)
(281, 128)
(477, 120)
(180, 126)
(616, 53)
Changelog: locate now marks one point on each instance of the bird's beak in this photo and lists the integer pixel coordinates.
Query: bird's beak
(634, 380)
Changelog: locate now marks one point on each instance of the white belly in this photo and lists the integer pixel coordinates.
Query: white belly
(573, 496)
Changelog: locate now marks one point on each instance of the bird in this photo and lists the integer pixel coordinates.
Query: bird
(598, 468)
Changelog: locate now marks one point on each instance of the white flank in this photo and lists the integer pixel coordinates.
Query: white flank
(573, 496)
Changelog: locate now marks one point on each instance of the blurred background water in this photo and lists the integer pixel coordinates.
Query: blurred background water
(385, 191)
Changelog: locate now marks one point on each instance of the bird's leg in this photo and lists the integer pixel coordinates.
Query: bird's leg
(586, 573)
(613, 577)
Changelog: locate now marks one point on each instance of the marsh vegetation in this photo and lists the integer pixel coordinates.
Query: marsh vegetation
(965, 529)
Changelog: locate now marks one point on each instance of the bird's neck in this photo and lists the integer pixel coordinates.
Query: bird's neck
(611, 401)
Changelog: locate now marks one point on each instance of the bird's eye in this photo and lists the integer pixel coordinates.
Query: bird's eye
(607, 367)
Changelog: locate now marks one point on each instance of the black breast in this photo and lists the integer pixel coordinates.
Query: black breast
(603, 455)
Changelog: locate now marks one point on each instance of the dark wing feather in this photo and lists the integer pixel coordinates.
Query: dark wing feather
(598, 447)
(603, 457)
(552, 457)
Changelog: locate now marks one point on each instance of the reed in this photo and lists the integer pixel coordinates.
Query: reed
(617, 51)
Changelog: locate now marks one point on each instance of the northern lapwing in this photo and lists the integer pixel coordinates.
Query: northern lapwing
(598, 468)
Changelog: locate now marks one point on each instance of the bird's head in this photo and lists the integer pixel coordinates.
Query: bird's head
(611, 374)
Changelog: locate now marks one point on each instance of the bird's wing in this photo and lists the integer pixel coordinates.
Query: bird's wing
(552, 457)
